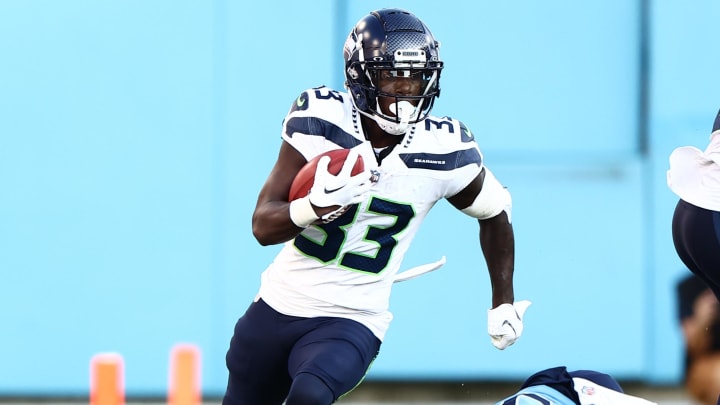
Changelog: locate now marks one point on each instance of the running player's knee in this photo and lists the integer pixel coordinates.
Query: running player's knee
(308, 389)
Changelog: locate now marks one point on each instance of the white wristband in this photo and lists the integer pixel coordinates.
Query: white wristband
(302, 213)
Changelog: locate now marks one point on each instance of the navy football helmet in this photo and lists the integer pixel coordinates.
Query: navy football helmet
(392, 43)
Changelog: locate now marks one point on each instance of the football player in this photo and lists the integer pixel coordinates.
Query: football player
(558, 386)
(694, 176)
(322, 312)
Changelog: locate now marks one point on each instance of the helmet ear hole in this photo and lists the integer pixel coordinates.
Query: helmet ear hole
(359, 96)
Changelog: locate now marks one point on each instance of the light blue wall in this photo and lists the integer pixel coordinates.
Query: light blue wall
(135, 135)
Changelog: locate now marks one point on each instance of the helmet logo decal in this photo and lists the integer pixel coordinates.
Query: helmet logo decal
(360, 49)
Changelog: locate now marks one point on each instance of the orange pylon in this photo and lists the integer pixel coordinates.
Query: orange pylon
(107, 385)
(184, 384)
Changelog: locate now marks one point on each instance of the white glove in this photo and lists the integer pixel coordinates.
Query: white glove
(341, 190)
(505, 323)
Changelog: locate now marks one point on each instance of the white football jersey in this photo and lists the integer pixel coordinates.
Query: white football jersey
(346, 267)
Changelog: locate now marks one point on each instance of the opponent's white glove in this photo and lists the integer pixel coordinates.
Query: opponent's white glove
(340, 190)
(505, 323)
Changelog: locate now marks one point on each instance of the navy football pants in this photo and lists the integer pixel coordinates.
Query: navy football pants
(696, 235)
(305, 361)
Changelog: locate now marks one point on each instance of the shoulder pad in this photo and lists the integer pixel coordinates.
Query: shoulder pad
(315, 96)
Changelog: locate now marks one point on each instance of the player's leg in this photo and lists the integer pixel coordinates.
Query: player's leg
(309, 389)
(330, 360)
(257, 358)
(696, 235)
(703, 379)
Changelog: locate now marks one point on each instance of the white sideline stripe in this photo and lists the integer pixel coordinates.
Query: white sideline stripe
(418, 270)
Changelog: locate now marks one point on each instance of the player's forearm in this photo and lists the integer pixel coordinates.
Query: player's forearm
(497, 241)
(271, 223)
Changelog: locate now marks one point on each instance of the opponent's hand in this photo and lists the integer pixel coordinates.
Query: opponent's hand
(505, 323)
(341, 190)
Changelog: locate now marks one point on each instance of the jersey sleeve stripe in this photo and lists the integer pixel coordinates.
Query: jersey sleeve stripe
(319, 127)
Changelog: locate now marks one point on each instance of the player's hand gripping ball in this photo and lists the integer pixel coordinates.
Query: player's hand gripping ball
(335, 180)
(305, 178)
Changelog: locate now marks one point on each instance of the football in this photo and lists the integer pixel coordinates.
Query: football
(305, 178)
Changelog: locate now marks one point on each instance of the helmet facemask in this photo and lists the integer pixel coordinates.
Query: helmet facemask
(404, 109)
